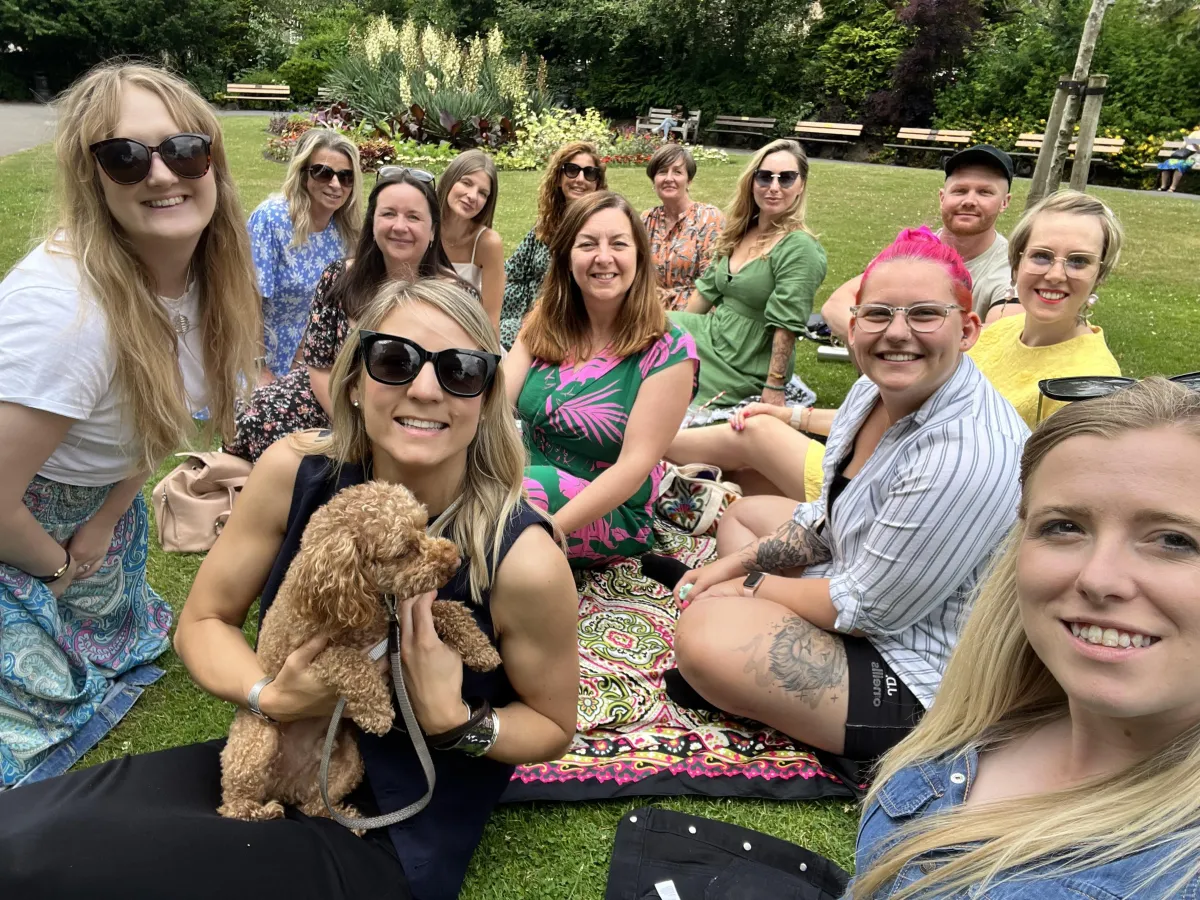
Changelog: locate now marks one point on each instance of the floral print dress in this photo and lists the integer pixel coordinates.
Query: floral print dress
(573, 423)
(287, 276)
(681, 251)
(288, 404)
(523, 273)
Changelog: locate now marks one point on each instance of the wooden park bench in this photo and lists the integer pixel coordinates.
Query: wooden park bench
(653, 120)
(1030, 145)
(744, 125)
(265, 92)
(324, 95)
(931, 139)
(828, 132)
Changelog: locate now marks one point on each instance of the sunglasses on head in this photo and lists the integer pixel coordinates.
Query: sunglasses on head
(394, 360)
(590, 173)
(764, 177)
(323, 174)
(389, 174)
(127, 161)
(1089, 387)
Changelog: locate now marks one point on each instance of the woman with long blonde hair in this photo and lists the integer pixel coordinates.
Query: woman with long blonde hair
(294, 235)
(137, 312)
(600, 379)
(1062, 758)
(467, 195)
(418, 399)
(757, 294)
(574, 171)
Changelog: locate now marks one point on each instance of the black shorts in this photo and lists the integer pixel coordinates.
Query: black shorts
(882, 710)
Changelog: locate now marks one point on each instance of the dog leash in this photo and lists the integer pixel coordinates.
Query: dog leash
(406, 712)
(410, 722)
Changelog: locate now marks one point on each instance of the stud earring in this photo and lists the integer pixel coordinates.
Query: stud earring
(354, 403)
(1091, 300)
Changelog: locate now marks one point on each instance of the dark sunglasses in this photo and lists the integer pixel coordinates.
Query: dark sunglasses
(1089, 387)
(127, 161)
(590, 173)
(764, 177)
(396, 173)
(323, 174)
(395, 360)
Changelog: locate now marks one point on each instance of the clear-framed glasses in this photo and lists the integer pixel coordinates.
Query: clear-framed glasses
(1040, 260)
(922, 317)
(1089, 387)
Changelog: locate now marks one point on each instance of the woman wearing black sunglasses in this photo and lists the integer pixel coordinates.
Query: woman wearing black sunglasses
(417, 399)
(296, 234)
(575, 171)
(136, 313)
(757, 294)
(397, 243)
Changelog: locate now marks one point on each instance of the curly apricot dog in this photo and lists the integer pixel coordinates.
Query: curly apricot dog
(368, 541)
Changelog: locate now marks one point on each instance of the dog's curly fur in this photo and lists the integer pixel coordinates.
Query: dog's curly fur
(368, 541)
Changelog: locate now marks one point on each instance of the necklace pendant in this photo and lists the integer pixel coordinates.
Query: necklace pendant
(181, 323)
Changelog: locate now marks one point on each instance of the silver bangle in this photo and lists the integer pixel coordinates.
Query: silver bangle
(480, 739)
(252, 699)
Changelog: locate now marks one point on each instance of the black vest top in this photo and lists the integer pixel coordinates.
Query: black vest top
(435, 845)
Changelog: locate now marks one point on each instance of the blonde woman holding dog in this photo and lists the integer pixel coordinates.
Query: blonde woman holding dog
(296, 234)
(138, 311)
(419, 399)
(1062, 758)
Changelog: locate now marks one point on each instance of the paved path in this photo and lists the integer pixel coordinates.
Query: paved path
(24, 125)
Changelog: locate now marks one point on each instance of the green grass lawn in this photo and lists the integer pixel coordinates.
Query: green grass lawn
(562, 850)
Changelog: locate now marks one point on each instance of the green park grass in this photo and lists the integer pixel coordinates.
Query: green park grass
(1148, 309)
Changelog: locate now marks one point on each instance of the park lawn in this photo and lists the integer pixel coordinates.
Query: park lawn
(1148, 310)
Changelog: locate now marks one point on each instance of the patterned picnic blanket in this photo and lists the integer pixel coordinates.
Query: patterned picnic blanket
(632, 740)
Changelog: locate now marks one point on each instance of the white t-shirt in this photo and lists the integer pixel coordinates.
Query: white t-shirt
(991, 277)
(55, 356)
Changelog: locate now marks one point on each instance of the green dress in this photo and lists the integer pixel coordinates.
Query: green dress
(734, 337)
(573, 424)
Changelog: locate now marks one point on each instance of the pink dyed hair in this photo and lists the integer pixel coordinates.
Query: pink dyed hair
(923, 245)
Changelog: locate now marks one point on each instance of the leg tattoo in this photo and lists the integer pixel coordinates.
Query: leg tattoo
(807, 661)
(756, 662)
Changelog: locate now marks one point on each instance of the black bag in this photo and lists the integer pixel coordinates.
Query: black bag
(663, 855)
(1182, 153)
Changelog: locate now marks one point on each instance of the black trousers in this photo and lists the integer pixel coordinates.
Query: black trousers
(147, 827)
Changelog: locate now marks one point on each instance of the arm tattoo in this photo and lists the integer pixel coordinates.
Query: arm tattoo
(807, 661)
(791, 546)
(781, 351)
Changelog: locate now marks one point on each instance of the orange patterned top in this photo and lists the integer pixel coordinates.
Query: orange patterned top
(681, 253)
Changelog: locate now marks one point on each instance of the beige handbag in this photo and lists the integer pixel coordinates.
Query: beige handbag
(691, 497)
(193, 502)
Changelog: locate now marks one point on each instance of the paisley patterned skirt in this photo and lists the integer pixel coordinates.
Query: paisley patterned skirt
(58, 656)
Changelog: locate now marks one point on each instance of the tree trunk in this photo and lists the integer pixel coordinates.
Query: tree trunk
(1054, 145)
(1088, 123)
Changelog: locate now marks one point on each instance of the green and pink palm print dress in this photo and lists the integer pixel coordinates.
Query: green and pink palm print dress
(573, 422)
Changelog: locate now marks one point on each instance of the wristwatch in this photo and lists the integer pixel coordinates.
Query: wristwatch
(753, 580)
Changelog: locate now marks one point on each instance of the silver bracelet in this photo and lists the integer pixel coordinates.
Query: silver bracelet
(480, 739)
(252, 699)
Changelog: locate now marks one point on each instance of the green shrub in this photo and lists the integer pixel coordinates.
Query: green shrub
(304, 75)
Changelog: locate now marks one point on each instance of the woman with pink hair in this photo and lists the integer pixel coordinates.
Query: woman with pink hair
(832, 621)
(760, 446)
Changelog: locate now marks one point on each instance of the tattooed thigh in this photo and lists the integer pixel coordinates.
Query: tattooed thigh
(807, 661)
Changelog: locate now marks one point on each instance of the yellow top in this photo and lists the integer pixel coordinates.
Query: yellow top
(1015, 369)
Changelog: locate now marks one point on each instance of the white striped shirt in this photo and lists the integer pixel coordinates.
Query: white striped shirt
(913, 531)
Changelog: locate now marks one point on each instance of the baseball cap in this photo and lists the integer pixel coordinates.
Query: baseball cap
(982, 155)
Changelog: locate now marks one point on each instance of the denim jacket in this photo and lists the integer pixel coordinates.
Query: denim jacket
(941, 785)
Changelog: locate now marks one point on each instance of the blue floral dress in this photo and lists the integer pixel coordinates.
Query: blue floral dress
(287, 276)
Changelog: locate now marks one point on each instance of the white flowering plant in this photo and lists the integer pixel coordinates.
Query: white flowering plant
(423, 84)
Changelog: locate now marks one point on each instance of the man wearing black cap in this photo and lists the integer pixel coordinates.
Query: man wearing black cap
(974, 195)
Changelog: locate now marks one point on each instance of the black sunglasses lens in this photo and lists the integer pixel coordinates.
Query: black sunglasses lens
(321, 174)
(462, 374)
(1191, 380)
(591, 173)
(571, 170)
(393, 362)
(124, 161)
(186, 155)
(1084, 388)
